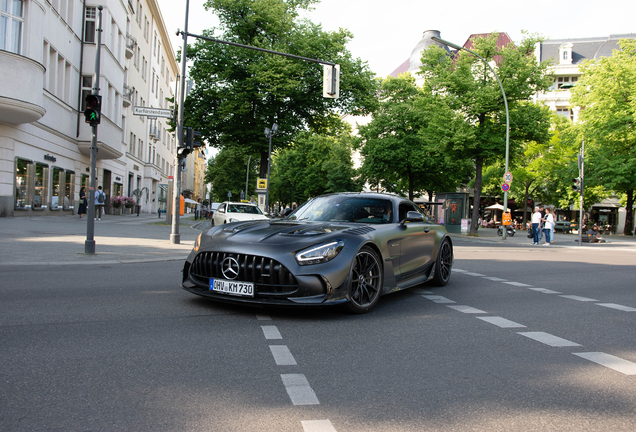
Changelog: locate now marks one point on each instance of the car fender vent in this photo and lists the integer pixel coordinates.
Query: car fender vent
(360, 230)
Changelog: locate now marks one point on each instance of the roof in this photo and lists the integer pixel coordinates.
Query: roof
(583, 48)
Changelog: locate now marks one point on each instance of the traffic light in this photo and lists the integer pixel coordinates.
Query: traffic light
(93, 111)
(196, 136)
(188, 139)
(576, 185)
(184, 148)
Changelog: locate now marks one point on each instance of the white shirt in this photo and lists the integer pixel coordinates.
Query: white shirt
(536, 217)
(549, 222)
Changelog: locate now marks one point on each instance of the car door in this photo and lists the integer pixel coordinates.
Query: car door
(416, 246)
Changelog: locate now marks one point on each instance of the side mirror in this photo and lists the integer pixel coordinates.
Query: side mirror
(413, 216)
(287, 212)
(446, 205)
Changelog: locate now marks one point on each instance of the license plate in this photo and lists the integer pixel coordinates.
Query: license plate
(243, 289)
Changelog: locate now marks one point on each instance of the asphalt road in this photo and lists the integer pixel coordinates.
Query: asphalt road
(523, 338)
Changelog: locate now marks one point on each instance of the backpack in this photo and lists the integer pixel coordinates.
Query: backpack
(100, 197)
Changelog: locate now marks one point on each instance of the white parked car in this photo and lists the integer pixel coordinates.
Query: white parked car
(229, 212)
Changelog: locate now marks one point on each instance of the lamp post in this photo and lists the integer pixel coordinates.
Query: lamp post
(268, 133)
(457, 47)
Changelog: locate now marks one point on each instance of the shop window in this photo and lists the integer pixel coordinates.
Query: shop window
(57, 182)
(41, 183)
(117, 189)
(23, 170)
(69, 190)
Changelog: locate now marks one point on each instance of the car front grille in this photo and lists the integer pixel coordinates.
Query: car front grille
(269, 276)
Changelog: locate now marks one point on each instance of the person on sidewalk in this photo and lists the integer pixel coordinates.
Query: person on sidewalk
(548, 223)
(81, 210)
(100, 199)
(536, 220)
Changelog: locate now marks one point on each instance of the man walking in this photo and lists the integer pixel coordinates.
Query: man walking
(536, 221)
(100, 199)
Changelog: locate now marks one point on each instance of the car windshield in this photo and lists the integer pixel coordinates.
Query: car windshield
(243, 208)
(343, 208)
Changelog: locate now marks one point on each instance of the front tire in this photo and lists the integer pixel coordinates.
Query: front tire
(366, 281)
(443, 264)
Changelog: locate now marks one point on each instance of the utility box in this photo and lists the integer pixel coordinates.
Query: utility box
(457, 210)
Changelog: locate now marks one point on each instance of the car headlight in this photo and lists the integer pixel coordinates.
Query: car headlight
(232, 220)
(197, 243)
(320, 254)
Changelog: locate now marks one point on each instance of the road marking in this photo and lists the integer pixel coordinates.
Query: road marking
(473, 274)
(495, 279)
(317, 426)
(459, 270)
(617, 306)
(618, 364)
(548, 339)
(263, 318)
(420, 291)
(501, 322)
(578, 298)
(437, 299)
(519, 284)
(299, 390)
(544, 290)
(271, 332)
(467, 309)
(282, 355)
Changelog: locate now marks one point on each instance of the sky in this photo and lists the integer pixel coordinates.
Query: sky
(385, 32)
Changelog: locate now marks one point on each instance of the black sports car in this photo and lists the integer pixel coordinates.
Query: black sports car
(346, 248)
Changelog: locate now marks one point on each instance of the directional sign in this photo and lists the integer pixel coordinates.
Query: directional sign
(508, 177)
(505, 187)
(157, 112)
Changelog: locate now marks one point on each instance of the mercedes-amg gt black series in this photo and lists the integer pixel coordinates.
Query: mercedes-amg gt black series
(345, 248)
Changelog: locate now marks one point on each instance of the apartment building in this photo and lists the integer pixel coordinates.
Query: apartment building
(47, 65)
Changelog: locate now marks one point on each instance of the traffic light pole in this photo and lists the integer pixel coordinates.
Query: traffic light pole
(89, 244)
(582, 175)
(175, 237)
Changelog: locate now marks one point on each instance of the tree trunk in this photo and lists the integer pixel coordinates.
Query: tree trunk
(629, 214)
(479, 160)
(263, 167)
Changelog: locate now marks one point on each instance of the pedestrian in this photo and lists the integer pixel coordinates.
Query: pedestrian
(536, 221)
(100, 199)
(252, 200)
(548, 224)
(81, 210)
(542, 212)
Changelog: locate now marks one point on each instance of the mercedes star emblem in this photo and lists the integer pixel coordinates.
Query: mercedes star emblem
(230, 268)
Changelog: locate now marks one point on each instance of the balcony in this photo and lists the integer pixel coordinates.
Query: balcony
(155, 133)
(152, 171)
(131, 44)
(21, 101)
(127, 95)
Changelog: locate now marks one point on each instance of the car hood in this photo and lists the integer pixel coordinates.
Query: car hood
(291, 233)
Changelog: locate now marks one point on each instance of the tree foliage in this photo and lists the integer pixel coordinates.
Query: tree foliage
(606, 93)
(239, 92)
(227, 172)
(466, 85)
(401, 144)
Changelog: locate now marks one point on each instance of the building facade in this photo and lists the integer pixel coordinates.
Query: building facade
(47, 61)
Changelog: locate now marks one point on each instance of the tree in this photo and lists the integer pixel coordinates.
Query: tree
(400, 145)
(239, 92)
(606, 93)
(227, 172)
(314, 165)
(467, 86)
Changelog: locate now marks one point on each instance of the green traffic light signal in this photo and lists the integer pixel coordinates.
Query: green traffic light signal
(92, 113)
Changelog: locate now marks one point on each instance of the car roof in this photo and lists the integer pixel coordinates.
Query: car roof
(384, 195)
(241, 203)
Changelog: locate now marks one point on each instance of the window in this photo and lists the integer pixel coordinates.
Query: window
(57, 182)
(11, 20)
(69, 190)
(89, 27)
(22, 197)
(146, 26)
(566, 112)
(41, 186)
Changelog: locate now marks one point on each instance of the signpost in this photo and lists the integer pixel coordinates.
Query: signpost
(505, 187)
(153, 112)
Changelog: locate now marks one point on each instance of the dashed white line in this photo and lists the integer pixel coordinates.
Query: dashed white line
(519, 284)
(299, 390)
(495, 279)
(618, 364)
(578, 298)
(544, 290)
(459, 270)
(271, 332)
(501, 322)
(548, 339)
(617, 306)
(282, 355)
(473, 274)
(438, 299)
(467, 309)
(317, 426)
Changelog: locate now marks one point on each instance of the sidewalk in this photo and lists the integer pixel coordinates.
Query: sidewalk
(521, 239)
(118, 239)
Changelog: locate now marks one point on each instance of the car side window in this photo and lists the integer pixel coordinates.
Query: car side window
(406, 207)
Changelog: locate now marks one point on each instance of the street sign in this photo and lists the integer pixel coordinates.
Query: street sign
(505, 187)
(261, 183)
(157, 112)
(508, 177)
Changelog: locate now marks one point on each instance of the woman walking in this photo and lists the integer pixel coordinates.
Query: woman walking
(81, 211)
(549, 226)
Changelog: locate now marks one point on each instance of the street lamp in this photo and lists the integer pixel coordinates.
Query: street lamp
(457, 47)
(268, 133)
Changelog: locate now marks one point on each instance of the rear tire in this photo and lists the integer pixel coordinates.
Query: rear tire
(366, 281)
(443, 264)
